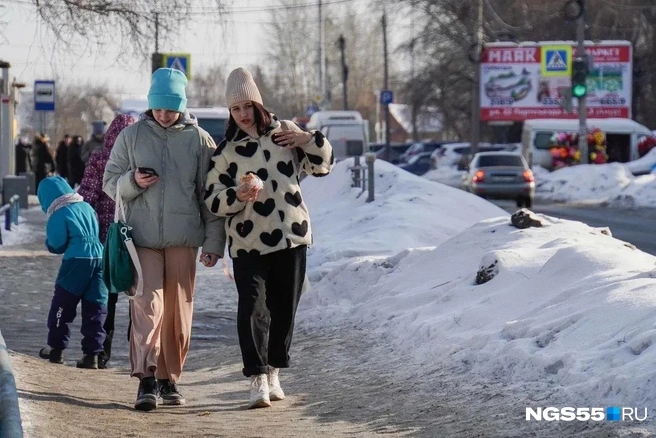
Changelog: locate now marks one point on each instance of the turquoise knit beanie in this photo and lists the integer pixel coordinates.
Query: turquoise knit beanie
(167, 90)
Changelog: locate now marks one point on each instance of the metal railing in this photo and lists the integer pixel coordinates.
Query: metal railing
(363, 177)
(10, 211)
(10, 421)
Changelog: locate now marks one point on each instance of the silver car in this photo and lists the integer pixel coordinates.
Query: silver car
(500, 175)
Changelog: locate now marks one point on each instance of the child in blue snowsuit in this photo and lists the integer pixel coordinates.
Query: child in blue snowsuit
(72, 230)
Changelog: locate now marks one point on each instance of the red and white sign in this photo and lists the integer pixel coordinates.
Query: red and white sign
(514, 89)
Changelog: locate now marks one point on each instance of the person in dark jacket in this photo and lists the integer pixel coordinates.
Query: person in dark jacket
(96, 143)
(75, 163)
(72, 230)
(23, 162)
(92, 192)
(61, 156)
(41, 158)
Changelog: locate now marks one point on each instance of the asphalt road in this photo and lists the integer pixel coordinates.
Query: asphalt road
(637, 226)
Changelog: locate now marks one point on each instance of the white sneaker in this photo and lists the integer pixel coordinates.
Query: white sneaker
(275, 391)
(259, 392)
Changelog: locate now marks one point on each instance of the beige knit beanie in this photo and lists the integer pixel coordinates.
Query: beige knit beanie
(241, 86)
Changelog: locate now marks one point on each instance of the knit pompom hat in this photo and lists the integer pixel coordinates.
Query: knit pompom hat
(240, 86)
(167, 90)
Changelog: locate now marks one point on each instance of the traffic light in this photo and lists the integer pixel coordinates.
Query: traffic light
(579, 76)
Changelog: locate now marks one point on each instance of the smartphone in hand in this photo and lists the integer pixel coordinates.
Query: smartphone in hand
(147, 170)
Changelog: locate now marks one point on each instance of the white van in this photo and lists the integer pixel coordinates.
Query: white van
(345, 130)
(213, 120)
(622, 138)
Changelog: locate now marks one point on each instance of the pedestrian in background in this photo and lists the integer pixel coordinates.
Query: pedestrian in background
(91, 190)
(61, 156)
(72, 230)
(41, 158)
(159, 166)
(75, 164)
(96, 143)
(268, 227)
(22, 156)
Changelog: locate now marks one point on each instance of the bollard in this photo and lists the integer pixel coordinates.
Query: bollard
(356, 169)
(8, 219)
(10, 421)
(15, 208)
(369, 158)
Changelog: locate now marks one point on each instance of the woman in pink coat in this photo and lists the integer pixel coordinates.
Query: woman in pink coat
(91, 190)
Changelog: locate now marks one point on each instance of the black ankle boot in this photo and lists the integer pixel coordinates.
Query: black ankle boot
(54, 355)
(106, 354)
(89, 361)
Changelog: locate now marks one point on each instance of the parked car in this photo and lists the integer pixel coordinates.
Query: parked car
(422, 146)
(418, 164)
(500, 175)
(396, 150)
(213, 120)
(459, 154)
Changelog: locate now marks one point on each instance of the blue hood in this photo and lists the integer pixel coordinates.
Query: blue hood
(52, 188)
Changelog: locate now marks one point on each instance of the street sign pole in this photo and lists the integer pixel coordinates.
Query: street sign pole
(6, 140)
(476, 90)
(583, 110)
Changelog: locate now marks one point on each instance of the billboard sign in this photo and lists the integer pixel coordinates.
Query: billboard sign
(529, 81)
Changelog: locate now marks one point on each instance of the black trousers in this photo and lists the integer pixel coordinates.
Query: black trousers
(111, 312)
(269, 288)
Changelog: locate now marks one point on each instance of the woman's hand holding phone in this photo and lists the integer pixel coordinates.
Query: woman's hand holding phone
(145, 177)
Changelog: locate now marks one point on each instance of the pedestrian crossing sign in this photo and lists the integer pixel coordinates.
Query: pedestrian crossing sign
(178, 61)
(556, 60)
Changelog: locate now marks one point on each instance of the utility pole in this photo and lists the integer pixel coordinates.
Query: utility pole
(476, 87)
(156, 59)
(322, 57)
(342, 42)
(583, 110)
(6, 137)
(415, 133)
(388, 151)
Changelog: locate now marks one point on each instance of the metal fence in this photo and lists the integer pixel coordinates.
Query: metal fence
(363, 176)
(10, 211)
(10, 421)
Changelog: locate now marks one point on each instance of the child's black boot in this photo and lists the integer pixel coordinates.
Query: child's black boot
(89, 361)
(54, 355)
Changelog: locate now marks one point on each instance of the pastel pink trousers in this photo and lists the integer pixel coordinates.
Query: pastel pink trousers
(161, 317)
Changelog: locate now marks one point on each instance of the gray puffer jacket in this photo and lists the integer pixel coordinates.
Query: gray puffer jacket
(171, 212)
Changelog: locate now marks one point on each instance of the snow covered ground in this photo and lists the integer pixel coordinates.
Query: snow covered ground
(19, 234)
(570, 305)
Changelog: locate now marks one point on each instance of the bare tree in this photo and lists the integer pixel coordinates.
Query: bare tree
(288, 75)
(208, 88)
(289, 80)
(77, 106)
(128, 21)
(448, 29)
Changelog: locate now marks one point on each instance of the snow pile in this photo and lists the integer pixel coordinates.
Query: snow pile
(570, 306)
(408, 212)
(583, 183)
